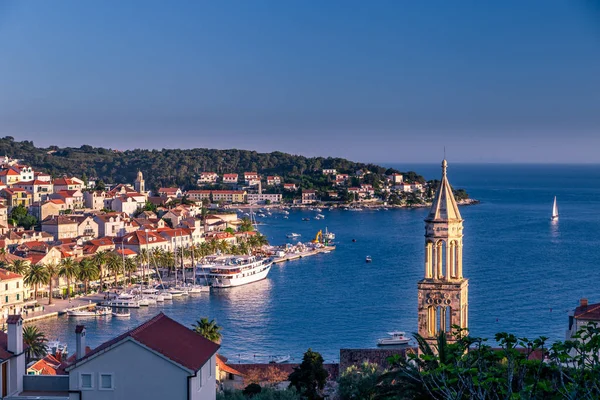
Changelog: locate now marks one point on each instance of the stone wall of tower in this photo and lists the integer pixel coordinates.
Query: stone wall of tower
(139, 184)
(446, 301)
(443, 293)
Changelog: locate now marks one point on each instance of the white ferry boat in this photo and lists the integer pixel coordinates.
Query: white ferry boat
(223, 272)
(91, 312)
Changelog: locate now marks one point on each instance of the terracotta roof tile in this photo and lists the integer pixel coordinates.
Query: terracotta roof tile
(189, 350)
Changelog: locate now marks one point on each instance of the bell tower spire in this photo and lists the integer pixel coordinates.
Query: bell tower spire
(443, 292)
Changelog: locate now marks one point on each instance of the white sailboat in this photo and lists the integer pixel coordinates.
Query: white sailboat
(554, 211)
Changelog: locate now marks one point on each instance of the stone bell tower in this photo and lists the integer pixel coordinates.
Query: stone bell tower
(443, 292)
(140, 185)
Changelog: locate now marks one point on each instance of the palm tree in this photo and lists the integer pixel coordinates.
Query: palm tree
(100, 260)
(36, 274)
(68, 269)
(115, 265)
(36, 342)
(208, 329)
(18, 267)
(87, 271)
(52, 274)
(129, 268)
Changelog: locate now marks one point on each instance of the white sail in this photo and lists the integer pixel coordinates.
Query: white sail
(554, 209)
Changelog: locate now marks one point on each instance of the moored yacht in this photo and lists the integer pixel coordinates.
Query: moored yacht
(396, 338)
(227, 271)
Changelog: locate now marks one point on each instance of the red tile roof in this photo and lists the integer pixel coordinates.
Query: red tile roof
(168, 190)
(169, 338)
(48, 365)
(221, 363)
(7, 275)
(65, 182)
(590, 312)
(58, 220)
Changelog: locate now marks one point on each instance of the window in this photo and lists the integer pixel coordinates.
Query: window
(17, 285)
(6, 286)
(17, 297)
(106, 382)
(200, 379)
(6, 299)
(86, 381)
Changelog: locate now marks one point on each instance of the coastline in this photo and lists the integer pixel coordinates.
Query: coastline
(364, 205)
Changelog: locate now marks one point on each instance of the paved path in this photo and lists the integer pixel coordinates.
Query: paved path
(60, 306)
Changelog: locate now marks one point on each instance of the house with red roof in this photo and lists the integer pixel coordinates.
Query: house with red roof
(16, 197)
(170, 193)
(67, 184)
(273, 180)
(95, 199)
(207, 177)
(160, 359)
(40, 190)
(112, 224)
(583, 315)
(309, 196)
(290, 186)
(12, 293)
(49, 365)
(43, 209)
(72, 198)
(60, 227)
(230, 178)
(145, 240)
(341, 179)
(9, 175)
(228, 377)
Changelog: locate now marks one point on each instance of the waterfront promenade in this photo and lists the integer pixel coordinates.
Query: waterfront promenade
(61, 306)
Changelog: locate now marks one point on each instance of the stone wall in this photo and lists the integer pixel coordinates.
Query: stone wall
(350, 357)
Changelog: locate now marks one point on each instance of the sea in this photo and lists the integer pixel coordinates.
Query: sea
(525, 272)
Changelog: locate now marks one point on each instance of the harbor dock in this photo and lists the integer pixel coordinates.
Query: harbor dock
(62, 306)
(302, 254)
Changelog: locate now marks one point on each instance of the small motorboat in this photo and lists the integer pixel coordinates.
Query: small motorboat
(280, 359)
(353, 240)
(121, 314)
(395, 339)
(368, 259)
(292, 235)
(305, 219)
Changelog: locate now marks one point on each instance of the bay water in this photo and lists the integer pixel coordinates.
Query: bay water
(525, 272)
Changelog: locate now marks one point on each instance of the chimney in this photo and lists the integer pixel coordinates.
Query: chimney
(15, 333)
(583, 303)
(79, 341)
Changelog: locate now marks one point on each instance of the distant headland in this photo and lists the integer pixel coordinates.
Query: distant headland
(297, 179)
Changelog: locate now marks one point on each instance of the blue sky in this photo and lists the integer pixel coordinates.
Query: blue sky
(382, 81)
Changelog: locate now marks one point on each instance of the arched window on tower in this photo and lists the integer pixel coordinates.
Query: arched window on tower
(442, 259)
(431, 320)
(439, 320)
(448, 313)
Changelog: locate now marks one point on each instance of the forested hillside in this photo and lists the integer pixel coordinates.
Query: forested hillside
(178, 167)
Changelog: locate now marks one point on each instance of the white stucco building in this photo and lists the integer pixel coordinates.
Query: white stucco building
(160, 359)
(12, 357)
